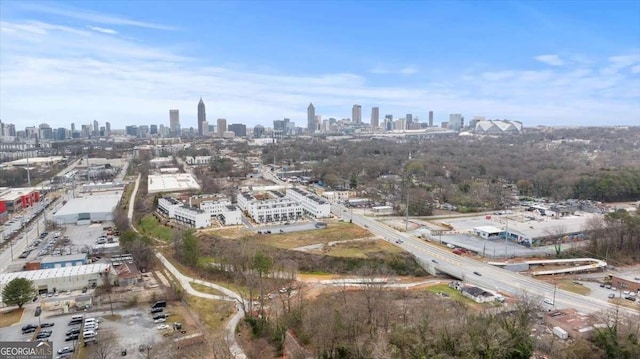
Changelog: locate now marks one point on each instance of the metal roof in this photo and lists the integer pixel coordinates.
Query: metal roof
(55, 272)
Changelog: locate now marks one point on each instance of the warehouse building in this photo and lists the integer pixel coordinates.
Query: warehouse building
(65, 278)
(71, 260)
(86, 210)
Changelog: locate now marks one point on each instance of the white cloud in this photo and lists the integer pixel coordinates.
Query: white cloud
(60, 74)
(552, 60)
(103, 30)
(94, 17)
(384, 70)
(635, 69)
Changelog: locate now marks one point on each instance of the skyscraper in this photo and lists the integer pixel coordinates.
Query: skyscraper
(375, 117)
(174, 122)
(430, 118)
(96, 128)
(202, 116)
(409, 118)
(222, 126)
(107, 129)
(456, 122)
(356, 114)
(311, 118)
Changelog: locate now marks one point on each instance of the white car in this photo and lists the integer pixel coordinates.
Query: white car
(163, 327)
(548, 301)
(160, 320)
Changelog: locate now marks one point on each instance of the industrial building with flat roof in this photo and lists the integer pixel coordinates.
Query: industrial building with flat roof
(84, 210)
(65, 278)
(175, 182)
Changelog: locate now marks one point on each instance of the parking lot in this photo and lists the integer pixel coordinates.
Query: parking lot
(119, 327)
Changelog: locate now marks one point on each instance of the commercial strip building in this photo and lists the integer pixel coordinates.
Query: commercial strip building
(17, 199)
(65, 278)
(89, 209)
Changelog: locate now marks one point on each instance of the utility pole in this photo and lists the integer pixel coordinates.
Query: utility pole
(28, 173)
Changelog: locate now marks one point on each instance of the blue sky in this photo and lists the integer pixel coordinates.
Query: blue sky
(541, 62)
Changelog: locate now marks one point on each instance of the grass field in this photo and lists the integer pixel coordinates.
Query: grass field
(452, 293)
(212, 313)
(149, 225)
(340, 231)
(10, 317)
(358, 249)
(569, 286)
(204, 289)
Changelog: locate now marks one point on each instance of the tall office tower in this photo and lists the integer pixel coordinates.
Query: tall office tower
(174, 122)
(430, 118)
(311, 118)
(239, 129)
(73, 127)
(107, 129)
(318, 121)
(356, 113)
(409, 118)
(153, 129)
(205, 128)
(375, 117)
(258, 131)
(456, 122)
(96, 128)
(222, 126)
(202, 116)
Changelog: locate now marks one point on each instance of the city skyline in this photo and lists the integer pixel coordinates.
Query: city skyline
(127, 66)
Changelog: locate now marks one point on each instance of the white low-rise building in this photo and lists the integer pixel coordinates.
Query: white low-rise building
(219, 207)
(277, 208)
(335, 196)
(230, 216)
(198, 160)
(192, 217)
(167, 206)
(182, 213)
(313, 205)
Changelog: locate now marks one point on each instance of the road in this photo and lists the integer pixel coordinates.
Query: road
(464, 268)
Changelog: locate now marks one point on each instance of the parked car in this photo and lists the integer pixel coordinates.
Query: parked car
(548, 301)
(29, 328)
(43, 334)
(477, 273)
(71, 337)
(611, 295)
(156, 310)
(163, 327)
(160, 320)
(159, 304)
(38, 311)
(73, 331)
(47, 324)
(65, 350)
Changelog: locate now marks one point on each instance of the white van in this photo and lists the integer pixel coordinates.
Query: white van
(89, 320)
(77, 317)
(88, 334)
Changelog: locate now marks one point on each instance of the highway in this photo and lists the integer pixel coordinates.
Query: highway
(464, 268)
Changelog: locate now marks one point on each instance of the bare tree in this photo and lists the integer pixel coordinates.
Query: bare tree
(105, 347)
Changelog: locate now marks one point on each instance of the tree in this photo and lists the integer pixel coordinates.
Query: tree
(18, 292)
(190, 250)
